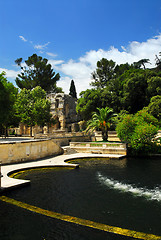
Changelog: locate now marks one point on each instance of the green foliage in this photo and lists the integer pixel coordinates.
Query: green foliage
(154, 107)
(144, 116)
(154, 86)
(141, 141)
(101, 120)
(88, 103)
(32, 107)
(126, 128)
(8, 94)
(138, 131)
(36, 72)
(72, 90)
(133, 92)
(104, 73)
(120, 87)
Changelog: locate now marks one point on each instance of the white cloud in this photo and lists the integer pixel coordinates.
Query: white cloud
(80, 71)
(54, 63)
(51, 54)
(64, 83)
(23, 39)
(10, 73)
(41, 47)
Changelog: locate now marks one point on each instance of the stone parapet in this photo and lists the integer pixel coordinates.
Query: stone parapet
(64, 138)
(14, 152)
(112, 136)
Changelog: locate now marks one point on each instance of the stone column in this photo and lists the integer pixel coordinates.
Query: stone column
(62, 122)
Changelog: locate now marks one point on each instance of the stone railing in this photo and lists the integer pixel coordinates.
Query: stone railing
(64, 138)
(94, 147)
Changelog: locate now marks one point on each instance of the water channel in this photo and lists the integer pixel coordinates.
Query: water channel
(124, 193)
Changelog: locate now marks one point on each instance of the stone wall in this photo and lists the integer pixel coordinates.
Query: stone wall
(63, 109)
(14, 152)
(63, 138)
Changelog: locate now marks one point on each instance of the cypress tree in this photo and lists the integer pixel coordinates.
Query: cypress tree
(72, 90)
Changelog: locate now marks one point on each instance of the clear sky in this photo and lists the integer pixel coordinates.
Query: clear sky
(73, 35)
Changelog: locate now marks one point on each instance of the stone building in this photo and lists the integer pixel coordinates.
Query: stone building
(63, 109)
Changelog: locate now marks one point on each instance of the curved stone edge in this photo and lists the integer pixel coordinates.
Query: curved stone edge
(58, 161)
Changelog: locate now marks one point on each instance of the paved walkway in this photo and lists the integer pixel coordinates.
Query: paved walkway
(58, 161)
(15, 139)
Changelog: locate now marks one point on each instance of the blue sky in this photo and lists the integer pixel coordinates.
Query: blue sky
(75, 34)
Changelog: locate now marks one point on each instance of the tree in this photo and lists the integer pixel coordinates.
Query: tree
(90, 100)
(154, 107)
(33, 108)
(101, 120)
(36, 72)
(104, 73)
(133, 94)
(8, 94)
(141, 62)
(72, 90)
(154, 86)
(158, 62)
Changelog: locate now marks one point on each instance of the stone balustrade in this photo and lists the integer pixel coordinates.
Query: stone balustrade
(100, 147)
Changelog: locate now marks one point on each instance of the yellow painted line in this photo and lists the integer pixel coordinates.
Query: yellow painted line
(79, 221)
(18, 173)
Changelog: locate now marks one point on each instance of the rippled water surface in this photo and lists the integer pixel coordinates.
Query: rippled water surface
(124, 193)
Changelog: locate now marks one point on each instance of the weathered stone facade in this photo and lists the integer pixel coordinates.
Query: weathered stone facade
(63, 108)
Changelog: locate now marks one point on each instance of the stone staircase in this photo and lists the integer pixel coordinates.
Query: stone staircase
(68, 150)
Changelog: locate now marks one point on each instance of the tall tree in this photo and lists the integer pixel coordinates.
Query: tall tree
(72, 90)
(33, 108)
(104, 73)
(90, 100)
(36, 72)
(8, 94)
(133, 95)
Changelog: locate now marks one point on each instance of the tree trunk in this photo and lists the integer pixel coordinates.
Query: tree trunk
(6, 132)
(30, 131)
(105, 136)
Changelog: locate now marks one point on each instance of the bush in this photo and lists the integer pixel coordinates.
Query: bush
(126, 128)
(141, 141)
(138, 131)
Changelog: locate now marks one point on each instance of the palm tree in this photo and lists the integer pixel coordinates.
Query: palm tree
(101, 120)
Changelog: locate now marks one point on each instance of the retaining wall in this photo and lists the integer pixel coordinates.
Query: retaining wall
(13, 152)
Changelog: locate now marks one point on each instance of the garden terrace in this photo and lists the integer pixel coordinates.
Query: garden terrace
(99, 147)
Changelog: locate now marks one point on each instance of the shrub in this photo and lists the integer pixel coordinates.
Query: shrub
(139, 131)
(126, 128)
(141, 141)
